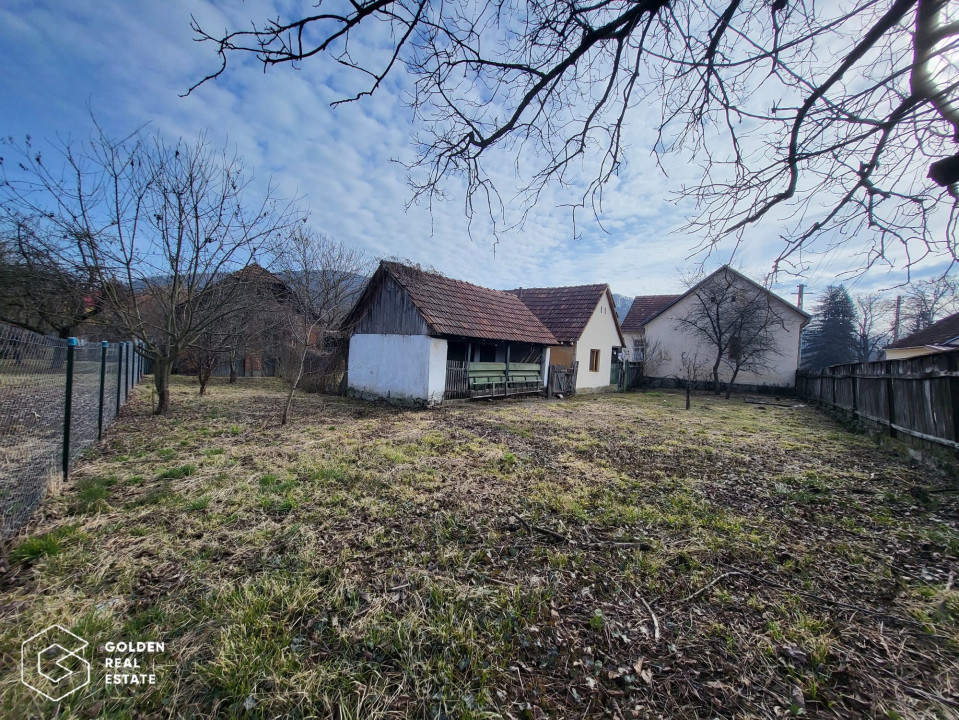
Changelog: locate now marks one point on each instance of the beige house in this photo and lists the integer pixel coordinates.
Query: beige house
(657, 326)
(941, 336)
(583, 319)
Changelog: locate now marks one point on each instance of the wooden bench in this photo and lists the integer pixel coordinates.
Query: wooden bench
(485, 377)
(525, 377)
(490, 378)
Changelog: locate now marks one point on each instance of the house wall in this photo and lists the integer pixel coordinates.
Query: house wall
(908, 352)
(599, 334)
(663, 329)
(562, 355)
(400, 368)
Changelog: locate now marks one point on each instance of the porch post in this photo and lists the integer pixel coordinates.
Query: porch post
(506, 385)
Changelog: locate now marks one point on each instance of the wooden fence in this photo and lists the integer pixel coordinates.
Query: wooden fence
(916, 398)
(457, 380)
(562, 380)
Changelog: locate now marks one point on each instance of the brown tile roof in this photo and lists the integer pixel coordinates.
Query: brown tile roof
(939, 333)
(454, 307)
(643, 308)
(564, 310)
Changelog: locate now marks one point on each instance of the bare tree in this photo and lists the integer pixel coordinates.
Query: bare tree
(832, 112)
(736, 320)
(325, 278)
(41, 290)
(205, 357)
(156, 225)
(753, 344)
(693, 369)
(873, 323)
(651, 354)
(927, 301)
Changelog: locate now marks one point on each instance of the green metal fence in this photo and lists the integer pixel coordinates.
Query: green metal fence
(56, 398)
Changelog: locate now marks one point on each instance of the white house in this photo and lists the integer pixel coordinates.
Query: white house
(420, 338)
(583, 319)
(658, 326)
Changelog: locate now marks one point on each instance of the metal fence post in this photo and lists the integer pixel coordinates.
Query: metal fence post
(126, 379)
(103, 377)
(119, 373)
(68, 406)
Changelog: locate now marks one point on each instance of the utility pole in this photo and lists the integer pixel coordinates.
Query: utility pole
(895, 323)
(799, 296)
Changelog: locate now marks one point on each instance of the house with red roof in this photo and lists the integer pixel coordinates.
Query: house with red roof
(418, 337)
(941, 336)
(584, 322)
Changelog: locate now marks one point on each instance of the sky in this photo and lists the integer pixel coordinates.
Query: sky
(131, 61)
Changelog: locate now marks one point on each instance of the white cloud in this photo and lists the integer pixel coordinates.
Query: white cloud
(131, 62)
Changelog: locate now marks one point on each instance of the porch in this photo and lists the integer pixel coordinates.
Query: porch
(466, 380)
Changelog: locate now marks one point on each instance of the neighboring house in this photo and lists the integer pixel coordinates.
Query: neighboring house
(419, 337)
(583, 319)
(643, 308)
(941, 336)
(248, 342)
(655, 322)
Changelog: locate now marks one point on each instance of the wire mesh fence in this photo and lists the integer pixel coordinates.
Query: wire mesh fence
(56, 397)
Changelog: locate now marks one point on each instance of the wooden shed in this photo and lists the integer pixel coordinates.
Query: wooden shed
(418, 337)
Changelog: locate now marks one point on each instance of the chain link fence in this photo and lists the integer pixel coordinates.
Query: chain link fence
(56, 397)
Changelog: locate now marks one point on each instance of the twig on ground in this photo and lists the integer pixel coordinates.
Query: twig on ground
(541, 530)
(829, 601)
(706, 587)
(652, 615)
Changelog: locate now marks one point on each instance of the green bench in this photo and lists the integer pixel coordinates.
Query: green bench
(489, 378)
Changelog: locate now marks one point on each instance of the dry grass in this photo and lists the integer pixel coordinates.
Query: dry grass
(602, 557)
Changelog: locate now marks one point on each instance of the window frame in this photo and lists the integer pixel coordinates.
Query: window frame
(594, 360)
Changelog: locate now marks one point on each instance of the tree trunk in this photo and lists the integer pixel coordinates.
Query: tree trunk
(689, 386)
(204, 377)
(716, 377)
(729, 387)
(293, 383)
(161, 380)
(232, 371)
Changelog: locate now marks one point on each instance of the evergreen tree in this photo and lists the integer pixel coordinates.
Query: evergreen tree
(832, 336)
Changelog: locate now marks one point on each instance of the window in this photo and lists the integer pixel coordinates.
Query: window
(594, 360)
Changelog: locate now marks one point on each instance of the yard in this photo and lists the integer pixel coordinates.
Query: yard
(608, 556)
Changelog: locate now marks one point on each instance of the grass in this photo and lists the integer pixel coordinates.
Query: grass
(609, 556)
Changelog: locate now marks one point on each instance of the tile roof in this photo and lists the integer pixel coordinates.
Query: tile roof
(454, 307)
(564, 310)
(939, 333)
(643, 308)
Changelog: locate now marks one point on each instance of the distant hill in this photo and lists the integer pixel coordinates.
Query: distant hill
(623, 303)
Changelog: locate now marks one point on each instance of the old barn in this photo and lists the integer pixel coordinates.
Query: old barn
(418, 337)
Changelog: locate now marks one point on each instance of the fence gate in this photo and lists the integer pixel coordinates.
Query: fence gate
(562, 379)
(457, 380)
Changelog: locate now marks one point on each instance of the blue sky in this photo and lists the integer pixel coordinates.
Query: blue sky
(131, 61)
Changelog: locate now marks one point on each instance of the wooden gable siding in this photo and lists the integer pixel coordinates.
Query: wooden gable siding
(392, 312)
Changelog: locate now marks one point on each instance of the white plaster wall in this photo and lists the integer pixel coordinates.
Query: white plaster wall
(436, 382)
(599, 334)
(907, 352)
(401, 368)
(782, 370)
